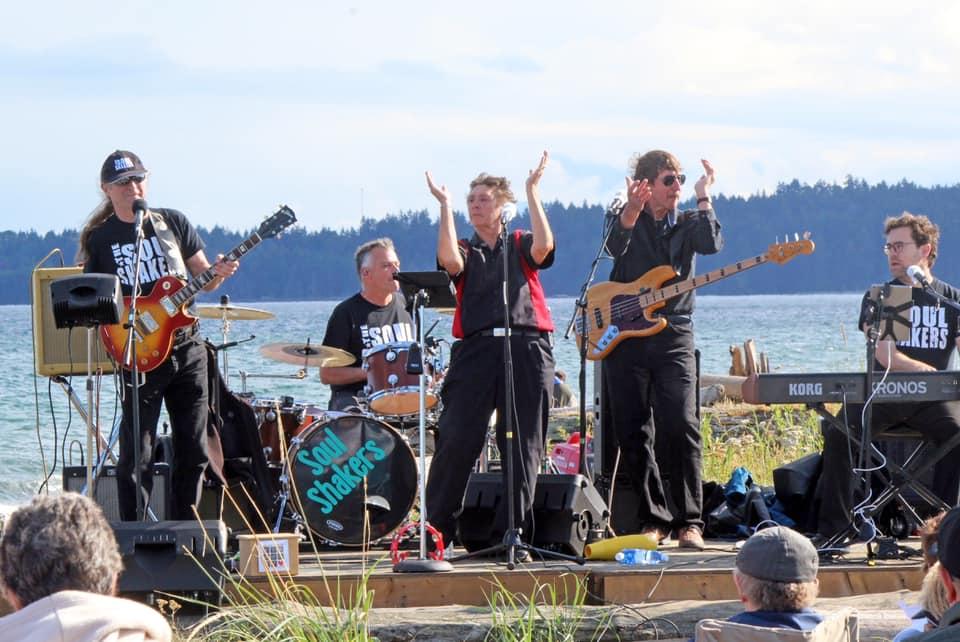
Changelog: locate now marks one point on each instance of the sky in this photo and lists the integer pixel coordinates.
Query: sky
(338, 108)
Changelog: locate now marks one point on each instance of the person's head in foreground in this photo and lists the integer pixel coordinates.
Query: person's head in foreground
(55, 544)
(776, 570)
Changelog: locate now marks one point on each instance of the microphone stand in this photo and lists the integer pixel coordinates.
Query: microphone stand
(880, 312)
(130, 360)
(511, 538)
(579, 318)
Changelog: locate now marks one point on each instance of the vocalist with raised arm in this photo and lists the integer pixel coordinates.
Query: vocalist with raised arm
(911, 246)
(474, 385)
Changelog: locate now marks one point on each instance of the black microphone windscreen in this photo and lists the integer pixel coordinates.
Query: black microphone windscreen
(140, 205)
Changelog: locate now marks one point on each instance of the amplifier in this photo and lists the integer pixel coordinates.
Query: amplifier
(105, 489)
(172, 556)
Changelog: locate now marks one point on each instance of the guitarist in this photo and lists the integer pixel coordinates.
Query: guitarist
(107, 245)
(652, 380)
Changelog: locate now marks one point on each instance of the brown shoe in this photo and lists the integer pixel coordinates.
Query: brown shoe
(690, 537)
(655, 533)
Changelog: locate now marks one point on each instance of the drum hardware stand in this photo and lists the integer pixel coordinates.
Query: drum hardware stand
(511, 538)
(90, 300)
(432, 290)
(105, 445)
(244, 375)
(887, 322)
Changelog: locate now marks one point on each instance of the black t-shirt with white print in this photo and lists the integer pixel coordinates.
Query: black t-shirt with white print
(111, 249)
(934, 327)
(357, 325)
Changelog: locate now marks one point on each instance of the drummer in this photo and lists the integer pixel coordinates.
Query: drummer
(374, 316)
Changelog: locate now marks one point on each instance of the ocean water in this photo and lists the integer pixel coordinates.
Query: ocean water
(39, 431)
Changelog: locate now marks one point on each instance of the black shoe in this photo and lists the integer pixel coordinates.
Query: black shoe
(821, 543)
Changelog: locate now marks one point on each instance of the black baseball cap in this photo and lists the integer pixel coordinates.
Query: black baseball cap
(948, 542)
(121, 164)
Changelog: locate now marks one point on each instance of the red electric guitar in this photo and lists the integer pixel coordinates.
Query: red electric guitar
(164, 311)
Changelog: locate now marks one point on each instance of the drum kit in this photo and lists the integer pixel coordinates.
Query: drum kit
(319, 457)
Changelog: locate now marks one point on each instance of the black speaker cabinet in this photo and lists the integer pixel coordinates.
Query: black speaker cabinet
(105, 489)
(565, 509)
(172, 556)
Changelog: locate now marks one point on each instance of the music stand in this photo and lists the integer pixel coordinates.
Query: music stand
(87, 300)
(886, 323)
(424, 290)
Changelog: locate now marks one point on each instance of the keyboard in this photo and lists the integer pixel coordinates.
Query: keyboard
(836, 387)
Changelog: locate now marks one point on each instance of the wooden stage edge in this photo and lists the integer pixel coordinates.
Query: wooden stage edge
(333, 578)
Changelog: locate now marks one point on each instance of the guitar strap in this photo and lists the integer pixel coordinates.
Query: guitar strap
(168, 243)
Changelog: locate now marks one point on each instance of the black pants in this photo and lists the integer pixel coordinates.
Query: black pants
(652, 384)
(472, 389)
(180, 382)
(938, 422)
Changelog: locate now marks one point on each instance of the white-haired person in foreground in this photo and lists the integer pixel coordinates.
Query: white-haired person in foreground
(59, 566)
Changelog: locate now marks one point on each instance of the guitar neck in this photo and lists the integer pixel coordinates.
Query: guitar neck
(187, 292)
(719, 274)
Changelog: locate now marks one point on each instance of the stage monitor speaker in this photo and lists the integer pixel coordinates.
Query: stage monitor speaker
(565, 509)
(172, 557)
(105, 489)
(60, 351)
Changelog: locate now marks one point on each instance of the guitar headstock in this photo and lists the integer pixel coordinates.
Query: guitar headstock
(277, 223)
(780, 253)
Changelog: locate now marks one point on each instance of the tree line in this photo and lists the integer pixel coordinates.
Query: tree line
(845, 221)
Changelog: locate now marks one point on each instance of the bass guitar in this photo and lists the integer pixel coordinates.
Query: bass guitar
(164, 311)
(618, 311)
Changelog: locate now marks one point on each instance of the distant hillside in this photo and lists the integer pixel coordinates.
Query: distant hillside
(845, 221)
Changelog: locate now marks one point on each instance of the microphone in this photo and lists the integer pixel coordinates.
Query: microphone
(508, 211)
(915, 272)
(617, 204)
(139, 209)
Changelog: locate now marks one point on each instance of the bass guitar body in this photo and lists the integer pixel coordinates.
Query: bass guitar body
(614, 315)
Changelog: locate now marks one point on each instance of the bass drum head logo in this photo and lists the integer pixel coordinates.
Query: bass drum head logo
(334, 525)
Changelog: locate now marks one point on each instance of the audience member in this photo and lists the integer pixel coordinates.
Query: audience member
(59, 566)
(948, 554)
(776, 578)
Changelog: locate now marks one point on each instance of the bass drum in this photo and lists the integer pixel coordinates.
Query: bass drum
(347, 470)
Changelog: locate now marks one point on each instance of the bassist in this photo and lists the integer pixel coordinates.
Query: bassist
(107, 245)
(652, 380)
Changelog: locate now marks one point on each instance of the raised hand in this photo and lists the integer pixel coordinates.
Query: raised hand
(533, 180)
(638, 192)
(441, 193)
(702, 186)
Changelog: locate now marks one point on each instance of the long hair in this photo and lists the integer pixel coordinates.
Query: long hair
(100, 213)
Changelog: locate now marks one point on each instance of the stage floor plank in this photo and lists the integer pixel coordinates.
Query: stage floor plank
(333, 577)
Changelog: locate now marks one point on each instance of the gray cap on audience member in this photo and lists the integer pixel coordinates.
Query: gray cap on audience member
(779, 554)
(948, 542)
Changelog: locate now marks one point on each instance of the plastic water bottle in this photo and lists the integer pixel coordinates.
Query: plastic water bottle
(641, 557)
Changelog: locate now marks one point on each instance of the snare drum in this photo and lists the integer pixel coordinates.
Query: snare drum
(391, 391)
(347, 469)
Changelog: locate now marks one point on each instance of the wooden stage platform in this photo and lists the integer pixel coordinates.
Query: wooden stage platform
(333, 577)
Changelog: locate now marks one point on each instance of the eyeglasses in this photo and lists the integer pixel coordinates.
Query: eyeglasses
(130, 179)
(669, 178)
(896, 247)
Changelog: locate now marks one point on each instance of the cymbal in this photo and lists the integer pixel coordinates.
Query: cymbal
(446, 310)
(233, 312)
(307, 355)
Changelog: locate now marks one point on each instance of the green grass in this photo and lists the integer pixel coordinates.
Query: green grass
(759, 440)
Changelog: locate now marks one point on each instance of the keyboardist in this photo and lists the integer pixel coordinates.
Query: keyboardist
(911, 240)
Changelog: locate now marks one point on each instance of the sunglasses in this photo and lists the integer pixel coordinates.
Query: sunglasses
(130, 179)
(669, 178)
